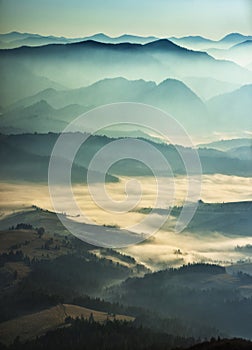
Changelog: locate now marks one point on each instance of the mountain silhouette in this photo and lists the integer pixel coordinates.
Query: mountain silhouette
(88, 61)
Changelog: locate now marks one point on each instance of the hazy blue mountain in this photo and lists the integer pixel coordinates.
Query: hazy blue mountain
(18, 81)
(201, 43)
(193, 42)
(101, 37)
(16, 39)
(8, 37)
(234, 148)
(33, 41)
(171, 95)
(99, 93)
(88, 61)
(240, 53)
(125, 38)
(235, 38)
(246, 43)
(232, 109)
(131, 132)
(243, 152)
(41, 117)
(207, 87)
(181, 102)
(226, 145)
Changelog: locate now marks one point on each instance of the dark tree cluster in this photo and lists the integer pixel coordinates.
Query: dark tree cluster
(13, 257)
(23, 226)
(112, 335)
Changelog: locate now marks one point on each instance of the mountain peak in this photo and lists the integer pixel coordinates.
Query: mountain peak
(171, 81)
(233, 36)
(40, 105)
(176, 84)
(163, 44)
(99, 36)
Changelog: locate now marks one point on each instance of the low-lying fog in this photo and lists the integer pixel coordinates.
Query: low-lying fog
(165, 247)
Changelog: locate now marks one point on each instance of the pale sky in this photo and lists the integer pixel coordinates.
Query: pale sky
(163, 18)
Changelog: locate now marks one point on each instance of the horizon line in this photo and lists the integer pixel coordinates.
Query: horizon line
(124, 34)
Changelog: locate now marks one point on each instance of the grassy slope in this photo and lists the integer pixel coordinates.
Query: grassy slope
(36, 324)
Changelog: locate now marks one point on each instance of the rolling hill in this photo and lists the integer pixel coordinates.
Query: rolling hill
(225, 145)
(192, 292)
(22, 165)
(232, 219)
(32, 149)
(37, 324)
(40, 117)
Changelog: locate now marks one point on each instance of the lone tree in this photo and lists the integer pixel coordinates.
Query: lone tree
(91, 318)
(41, 231)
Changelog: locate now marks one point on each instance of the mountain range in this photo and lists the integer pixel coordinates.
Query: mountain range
(240, 53)
(51, 109)
(170, 95)
(206, 85)
(88, 61)
(45, 87)
(201, 43)
(17, 39)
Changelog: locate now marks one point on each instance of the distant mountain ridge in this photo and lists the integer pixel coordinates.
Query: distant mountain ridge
(88, 61)
(74, 77)
(171, 95)
(16, 39)
(197, 42)
(235, 106)
(225, 145)
(240, 53)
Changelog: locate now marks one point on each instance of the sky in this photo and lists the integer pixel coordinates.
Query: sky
(162, 18)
